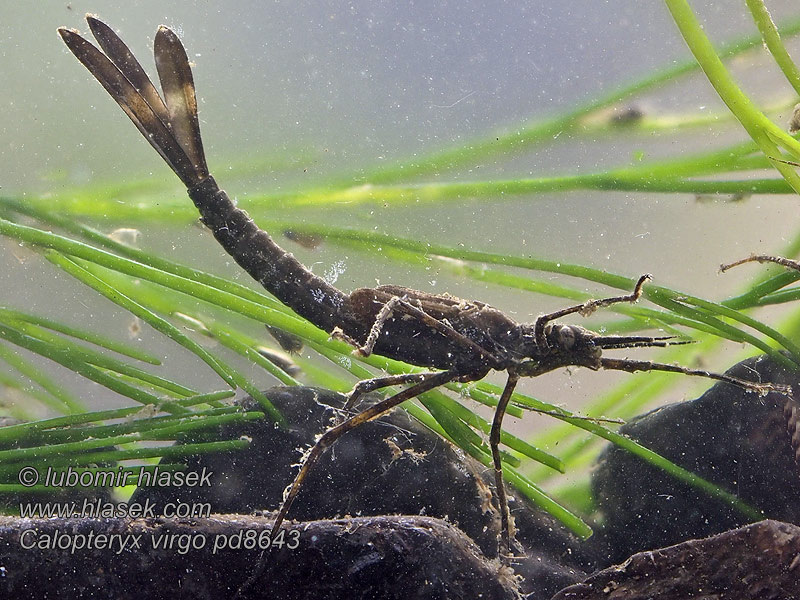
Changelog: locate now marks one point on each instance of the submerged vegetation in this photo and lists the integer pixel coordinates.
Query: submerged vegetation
(173, 298)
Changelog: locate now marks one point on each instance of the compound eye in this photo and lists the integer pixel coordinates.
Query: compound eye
(566, 337)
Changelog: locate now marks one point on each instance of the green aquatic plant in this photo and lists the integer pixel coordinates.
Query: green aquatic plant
(171, 297)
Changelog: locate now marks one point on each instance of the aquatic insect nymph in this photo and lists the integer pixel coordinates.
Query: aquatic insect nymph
(463, 339)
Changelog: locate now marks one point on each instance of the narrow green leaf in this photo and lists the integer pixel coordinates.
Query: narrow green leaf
(159, 324)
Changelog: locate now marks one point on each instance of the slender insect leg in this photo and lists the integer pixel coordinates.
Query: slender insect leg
(430, 381)
(784, 262)
(369, 385)
(339, 334)
(790, 408)
(494, 443)
(632, 366)
(384, 314)
(586, 309)
(398, 302)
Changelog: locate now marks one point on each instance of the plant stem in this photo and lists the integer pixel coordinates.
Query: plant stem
(763, 131)
(773, 41)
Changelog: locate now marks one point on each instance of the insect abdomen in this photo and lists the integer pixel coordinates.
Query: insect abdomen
(269, 264)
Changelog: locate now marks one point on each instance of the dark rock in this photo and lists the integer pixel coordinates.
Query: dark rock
(757, 562)
(729, 436)
(376, 557)
(390, 466)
